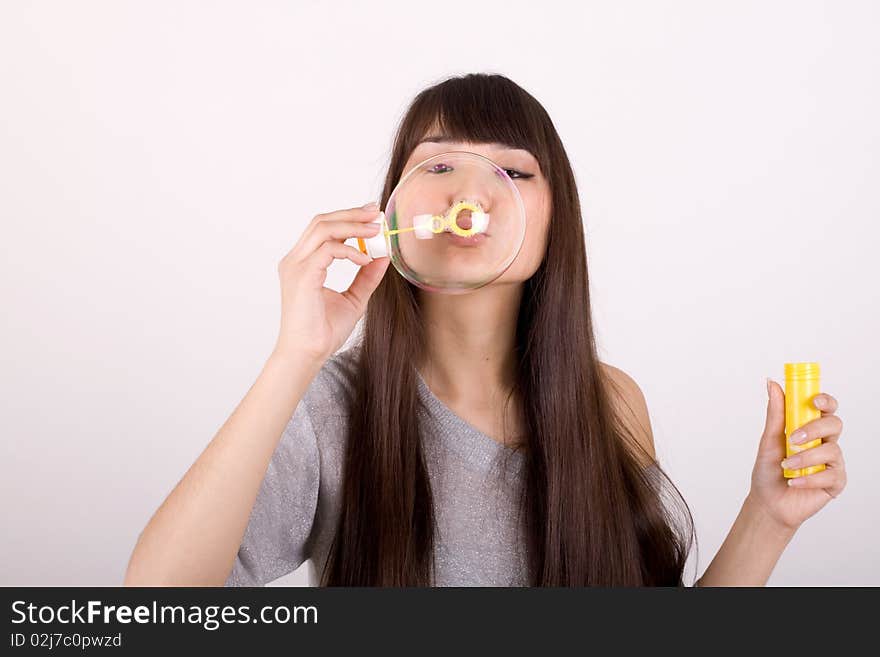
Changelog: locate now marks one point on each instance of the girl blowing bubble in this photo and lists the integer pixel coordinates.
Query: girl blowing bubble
(470, 439)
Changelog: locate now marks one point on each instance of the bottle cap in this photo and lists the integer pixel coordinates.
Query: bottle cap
(799, 371)
(375, 246)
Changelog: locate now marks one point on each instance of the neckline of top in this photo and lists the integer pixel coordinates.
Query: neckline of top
(470, 441)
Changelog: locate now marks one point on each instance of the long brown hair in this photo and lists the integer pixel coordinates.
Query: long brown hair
(594, 514)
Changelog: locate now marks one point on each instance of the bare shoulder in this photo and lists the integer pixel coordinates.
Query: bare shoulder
(630, 403)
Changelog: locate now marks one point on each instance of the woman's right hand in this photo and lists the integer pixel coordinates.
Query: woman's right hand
(315, 320)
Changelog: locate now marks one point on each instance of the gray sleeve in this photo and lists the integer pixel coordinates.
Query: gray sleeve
(278, 536)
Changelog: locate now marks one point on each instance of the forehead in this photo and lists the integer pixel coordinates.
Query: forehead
(449, 142)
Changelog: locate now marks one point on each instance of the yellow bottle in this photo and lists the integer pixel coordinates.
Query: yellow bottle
(801, 386)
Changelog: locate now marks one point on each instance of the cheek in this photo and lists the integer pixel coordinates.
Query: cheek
(534, 243)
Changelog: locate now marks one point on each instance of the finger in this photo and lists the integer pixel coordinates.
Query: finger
(826, 403)
(363, 213)
(366, 281)
(828, 427)
(832, 480)
(329, 251)
(824, 454)
(336, 231)
(772, 444)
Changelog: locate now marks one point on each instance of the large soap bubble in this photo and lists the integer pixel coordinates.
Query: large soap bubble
(453, 223)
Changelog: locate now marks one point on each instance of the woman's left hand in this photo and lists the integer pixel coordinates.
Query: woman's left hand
(790, 505)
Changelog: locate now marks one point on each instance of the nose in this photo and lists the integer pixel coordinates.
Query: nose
(469, 184)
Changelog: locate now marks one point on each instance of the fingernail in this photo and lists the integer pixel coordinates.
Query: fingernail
(798, 436)
(819, 402)
(767, 379)
(372, 205)
(789, 463)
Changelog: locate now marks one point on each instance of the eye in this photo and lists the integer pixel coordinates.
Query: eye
(513, 173)
(444, 167)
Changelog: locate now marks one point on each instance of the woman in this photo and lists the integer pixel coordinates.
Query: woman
(472, 439)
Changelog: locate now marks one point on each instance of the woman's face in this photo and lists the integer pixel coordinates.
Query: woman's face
(523, 169)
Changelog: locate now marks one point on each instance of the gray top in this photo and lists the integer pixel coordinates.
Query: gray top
(475, 482)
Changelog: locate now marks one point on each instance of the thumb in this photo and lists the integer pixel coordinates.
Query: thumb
(773, 439)
(366, 281)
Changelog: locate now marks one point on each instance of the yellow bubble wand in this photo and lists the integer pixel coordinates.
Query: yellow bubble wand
(440, 222)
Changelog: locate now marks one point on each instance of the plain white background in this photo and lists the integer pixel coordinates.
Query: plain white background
(157, 159)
